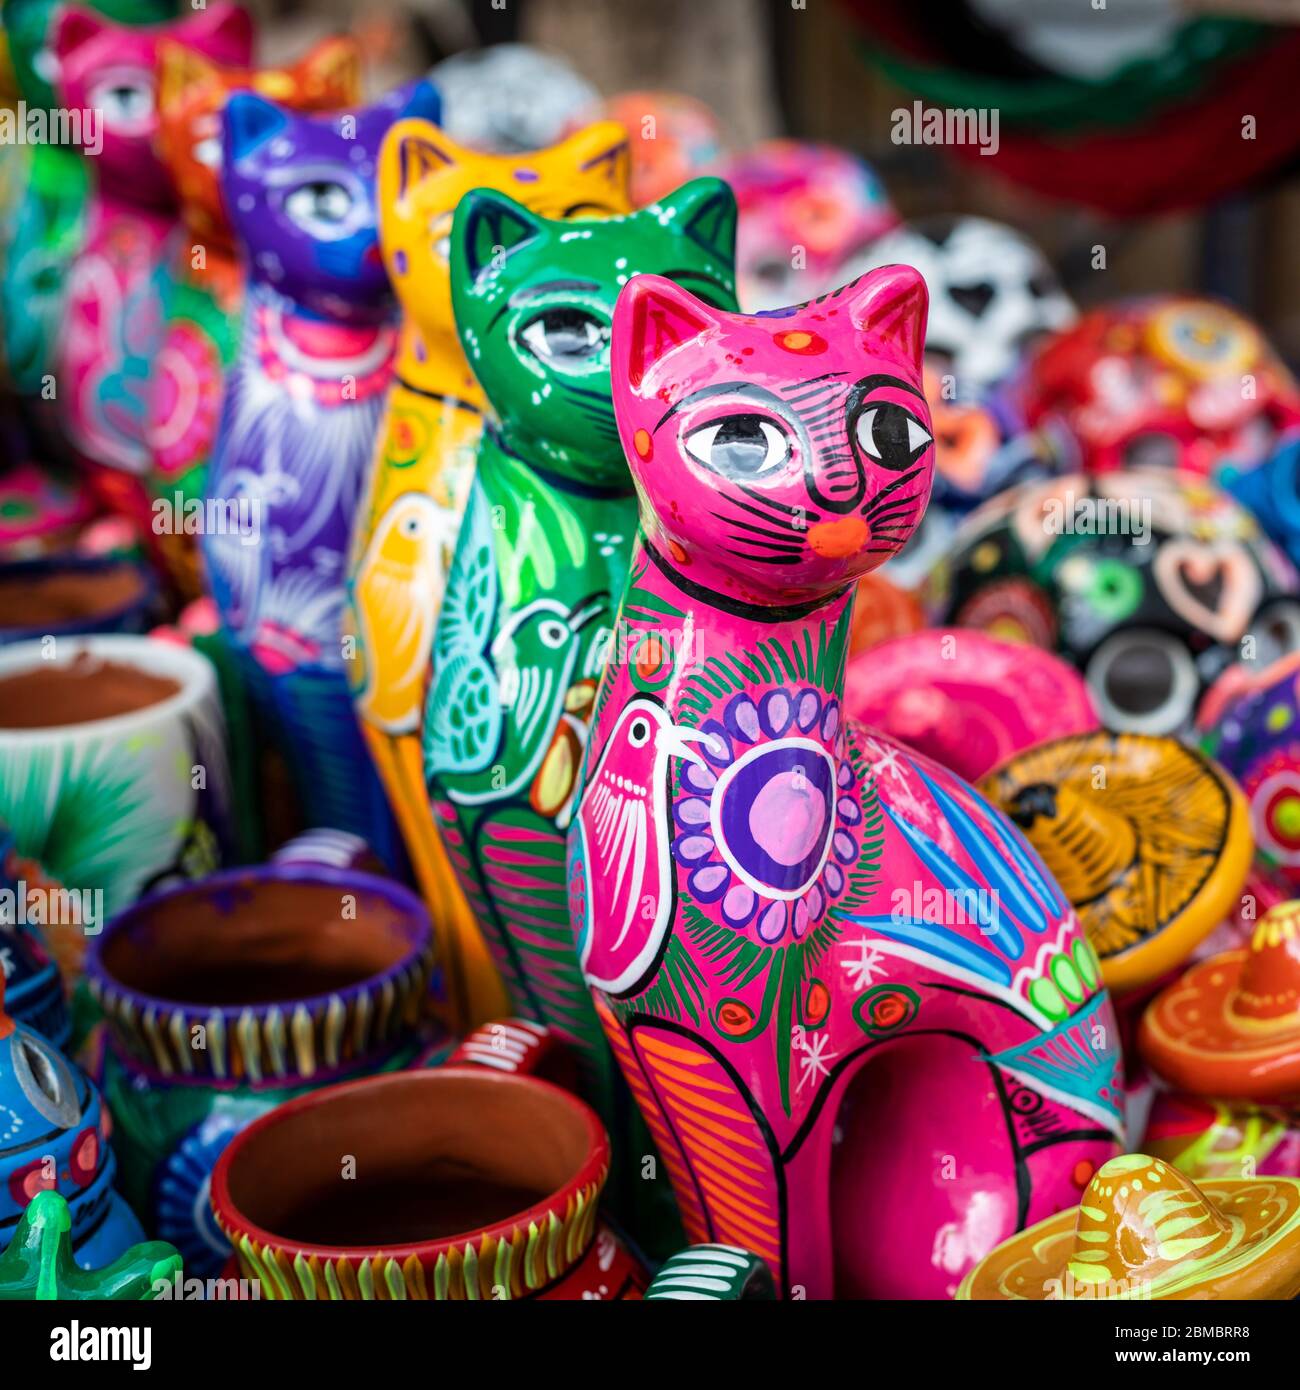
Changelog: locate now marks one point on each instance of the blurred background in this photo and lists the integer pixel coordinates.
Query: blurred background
(1121, 121)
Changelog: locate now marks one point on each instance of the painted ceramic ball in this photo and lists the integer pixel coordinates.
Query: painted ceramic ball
(993, 295)
(1169, 381)
(981, 448)
(1271, 490)
(967, 699)
(1146, 581)
(673, 139)
(805, 209)
(510, 97)
(1251, 724)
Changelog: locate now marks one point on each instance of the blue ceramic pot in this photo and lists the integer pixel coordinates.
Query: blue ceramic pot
(67, 595)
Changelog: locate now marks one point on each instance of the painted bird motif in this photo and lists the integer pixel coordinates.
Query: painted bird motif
(397, 608)
(620, 862)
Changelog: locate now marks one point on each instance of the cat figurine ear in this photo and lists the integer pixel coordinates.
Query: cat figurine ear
(223, 31)
(422, 103)
(892, 303)
(334, 65)
(653, 316)
(705, 209)
(182, 73)
(413, 151)
(247, 121)
(488, 225)
(74, 29)
(602, 142)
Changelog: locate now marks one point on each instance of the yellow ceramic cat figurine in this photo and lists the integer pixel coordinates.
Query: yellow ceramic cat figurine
(420, 477)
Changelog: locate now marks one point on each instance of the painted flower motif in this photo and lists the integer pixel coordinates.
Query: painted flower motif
(766, 826)
(186, 400)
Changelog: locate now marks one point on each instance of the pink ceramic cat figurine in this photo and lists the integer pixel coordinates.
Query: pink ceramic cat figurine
(767, 897)
(112, 316)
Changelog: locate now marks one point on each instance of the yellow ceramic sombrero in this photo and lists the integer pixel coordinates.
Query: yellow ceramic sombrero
(1149, 839)
(1143, 1230)
(1230, 1026)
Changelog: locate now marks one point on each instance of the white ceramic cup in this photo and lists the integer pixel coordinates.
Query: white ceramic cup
(108, 809)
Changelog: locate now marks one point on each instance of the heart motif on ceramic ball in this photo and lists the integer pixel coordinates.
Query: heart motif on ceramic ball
(1214, 586)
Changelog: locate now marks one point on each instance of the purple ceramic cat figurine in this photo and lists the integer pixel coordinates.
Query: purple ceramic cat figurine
(832, 972)
(297, 427)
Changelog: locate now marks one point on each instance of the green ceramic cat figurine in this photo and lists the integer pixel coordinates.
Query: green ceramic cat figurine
(538, 571)
(38, 1265)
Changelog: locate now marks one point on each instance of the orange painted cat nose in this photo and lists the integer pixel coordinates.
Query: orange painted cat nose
(833, 540)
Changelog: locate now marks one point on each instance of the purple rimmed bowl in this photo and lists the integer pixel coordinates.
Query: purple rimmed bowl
(224, 997)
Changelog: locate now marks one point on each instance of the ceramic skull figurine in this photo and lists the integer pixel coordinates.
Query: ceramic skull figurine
(993, 295)
(1149, 581)
(1168, 381)
(790, 925)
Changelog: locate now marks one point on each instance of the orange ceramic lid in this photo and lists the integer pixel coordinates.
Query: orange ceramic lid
(1143, 1230)
(1231, 1025)
(1150, 840)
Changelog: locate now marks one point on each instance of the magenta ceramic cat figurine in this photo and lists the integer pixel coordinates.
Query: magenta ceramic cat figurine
(112, 316)
(766, 896)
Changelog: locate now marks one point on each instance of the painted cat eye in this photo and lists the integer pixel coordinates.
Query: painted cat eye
(742, 447)
(46, 1080)
(321, 207)
(565, 336)
(127, 102)
(891, 436)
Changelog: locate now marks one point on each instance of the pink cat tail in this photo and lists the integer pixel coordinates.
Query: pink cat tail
(892, 303)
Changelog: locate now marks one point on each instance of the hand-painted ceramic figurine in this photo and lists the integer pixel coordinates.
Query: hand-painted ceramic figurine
(671, 138)
(1230, 1027)
(1253, 729)
(1223, 1138)
(201, 282)
(1143, 1230)
(54, 1138)
(298, 422)
(39, 1264)
(48, 222)
(981, 449)
(111, 324)
(538, 570)
(420, 477)
(1271, 492)
(1168, 381)
(1146, 580)
(791, 926)
(1148, 839)
(993, 296)
(965, 699)
(805, 209)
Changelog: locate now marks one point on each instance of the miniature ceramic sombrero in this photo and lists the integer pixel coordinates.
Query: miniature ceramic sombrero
(1150, 841)
(1143, 1231)
(1230, 1026)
